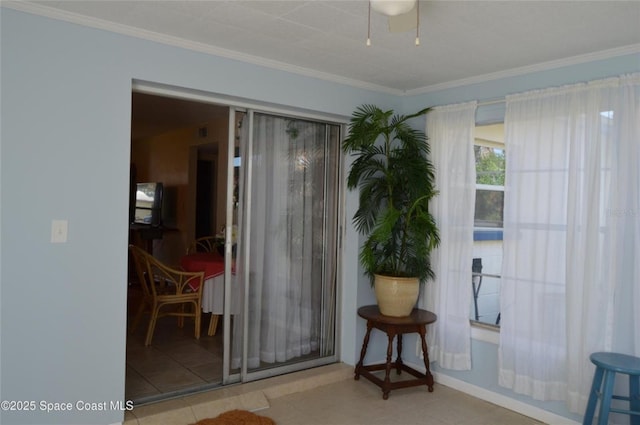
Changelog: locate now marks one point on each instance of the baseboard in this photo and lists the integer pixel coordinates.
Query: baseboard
(499, 399)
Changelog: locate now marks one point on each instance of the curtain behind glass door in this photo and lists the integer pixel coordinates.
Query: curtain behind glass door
(288, 256)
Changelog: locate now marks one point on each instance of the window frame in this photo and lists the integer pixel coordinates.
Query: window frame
(480, 329)
(483, 233)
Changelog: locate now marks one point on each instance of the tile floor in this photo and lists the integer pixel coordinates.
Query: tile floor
(328, 395)
(359, 402)
(174, 362)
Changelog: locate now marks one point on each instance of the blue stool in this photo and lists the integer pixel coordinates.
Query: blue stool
(607, 365)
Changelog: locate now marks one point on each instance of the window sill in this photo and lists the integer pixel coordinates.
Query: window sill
(485, 332)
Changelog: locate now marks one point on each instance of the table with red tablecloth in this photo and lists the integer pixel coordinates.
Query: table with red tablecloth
(212, 264)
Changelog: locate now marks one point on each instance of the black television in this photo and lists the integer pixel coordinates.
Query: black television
(148, 203)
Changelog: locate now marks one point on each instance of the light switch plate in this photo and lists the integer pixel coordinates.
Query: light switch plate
(59, 230)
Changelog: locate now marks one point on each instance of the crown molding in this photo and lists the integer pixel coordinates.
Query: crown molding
(543, 66)
(58, 14)
(61, 15)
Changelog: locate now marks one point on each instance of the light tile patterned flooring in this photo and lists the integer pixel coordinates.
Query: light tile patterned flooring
(329, 395)
(322, 396)
(360, 402)
(175, 361)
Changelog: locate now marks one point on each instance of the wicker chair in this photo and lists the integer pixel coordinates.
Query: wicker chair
(206, 244)
(164, 287)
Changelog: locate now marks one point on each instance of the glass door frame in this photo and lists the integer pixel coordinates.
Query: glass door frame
(245, 375)
(248, 107)
(227, 377)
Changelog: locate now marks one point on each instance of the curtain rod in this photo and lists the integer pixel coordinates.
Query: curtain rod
(492, 102)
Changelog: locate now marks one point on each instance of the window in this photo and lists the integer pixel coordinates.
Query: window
(487, 247)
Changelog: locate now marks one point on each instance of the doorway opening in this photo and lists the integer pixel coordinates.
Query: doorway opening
(267, 186)
(205, 198)
(174, 142)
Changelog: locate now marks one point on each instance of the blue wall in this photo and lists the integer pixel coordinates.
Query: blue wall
(65, 146)
(497, 89)
(64, 154)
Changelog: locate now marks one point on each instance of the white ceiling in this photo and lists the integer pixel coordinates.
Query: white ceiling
(460, 40)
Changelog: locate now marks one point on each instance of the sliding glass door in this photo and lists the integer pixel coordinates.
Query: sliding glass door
(285, 264)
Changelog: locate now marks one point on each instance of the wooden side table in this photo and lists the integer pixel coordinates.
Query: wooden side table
(417, 321)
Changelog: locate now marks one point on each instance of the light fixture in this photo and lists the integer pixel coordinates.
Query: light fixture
(394, 9)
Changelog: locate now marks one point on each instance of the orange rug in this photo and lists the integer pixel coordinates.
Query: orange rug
(237, 417)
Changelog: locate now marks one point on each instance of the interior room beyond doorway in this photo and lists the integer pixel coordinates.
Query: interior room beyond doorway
(181, 144)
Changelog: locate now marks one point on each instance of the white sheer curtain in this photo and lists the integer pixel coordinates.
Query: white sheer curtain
(571, 279)
(451, 133)
(286, 240)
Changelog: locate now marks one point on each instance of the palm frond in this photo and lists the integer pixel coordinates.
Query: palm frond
(395, 178)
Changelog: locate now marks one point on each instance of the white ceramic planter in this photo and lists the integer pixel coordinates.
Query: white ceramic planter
(396, 296)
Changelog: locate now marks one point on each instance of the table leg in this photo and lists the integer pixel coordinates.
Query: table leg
(363, 351)
(425, 354)
(399, 358)
(387, 381)
(213, 324)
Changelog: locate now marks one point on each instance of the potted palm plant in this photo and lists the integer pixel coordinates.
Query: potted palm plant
(395, 177)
